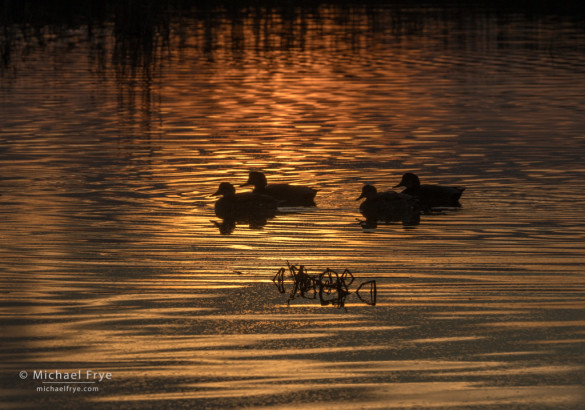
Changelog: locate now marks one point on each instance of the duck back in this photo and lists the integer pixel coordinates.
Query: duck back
(244, 204)
(390, 206)
(430, 196)
(289, 195)
(434, 196)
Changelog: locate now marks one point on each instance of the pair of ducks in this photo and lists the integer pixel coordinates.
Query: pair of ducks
(264, 199)
(384, 206)
(406, 206)
(391, 206)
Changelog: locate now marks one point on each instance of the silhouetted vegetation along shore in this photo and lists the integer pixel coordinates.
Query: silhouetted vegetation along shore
(137, 25)
(138, 16)
(142, 27)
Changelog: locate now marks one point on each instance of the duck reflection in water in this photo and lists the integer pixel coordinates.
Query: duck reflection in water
(430, 196)
(288, 195)
(388, 207)
(247, 207)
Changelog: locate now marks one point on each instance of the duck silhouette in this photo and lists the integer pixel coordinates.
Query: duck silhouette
(388, 207)
(243, 205)
(430, 196)
(288, 195)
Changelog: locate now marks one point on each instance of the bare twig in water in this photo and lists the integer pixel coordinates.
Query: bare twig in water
(333, 288)
(278, 280)
(371, 298)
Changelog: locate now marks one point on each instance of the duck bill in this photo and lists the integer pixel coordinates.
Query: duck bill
(217, 193)
(247, 183)
(398, 186)
(360, 197)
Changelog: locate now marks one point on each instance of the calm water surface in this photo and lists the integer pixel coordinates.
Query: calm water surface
(114, 261)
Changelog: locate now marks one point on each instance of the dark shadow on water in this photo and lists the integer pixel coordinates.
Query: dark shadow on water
(413, 220)
(228, 224)
(373, 223)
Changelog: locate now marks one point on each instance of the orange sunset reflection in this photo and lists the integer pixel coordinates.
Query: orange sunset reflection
(116, 133)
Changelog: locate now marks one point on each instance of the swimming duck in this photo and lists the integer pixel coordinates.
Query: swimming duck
(232, 205)
(388, 206)
(289, 195)
(430, 196)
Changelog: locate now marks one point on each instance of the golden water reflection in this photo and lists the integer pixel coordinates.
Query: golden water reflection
(113, 259)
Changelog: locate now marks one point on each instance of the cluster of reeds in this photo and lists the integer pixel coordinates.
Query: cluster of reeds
(142, 28)
(329, 286)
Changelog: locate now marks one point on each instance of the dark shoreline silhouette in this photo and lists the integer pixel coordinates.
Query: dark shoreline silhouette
(142, 28)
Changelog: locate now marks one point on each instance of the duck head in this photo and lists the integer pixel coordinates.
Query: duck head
(409, 180)
(256, 178)
(367, 191)
(225, 189)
